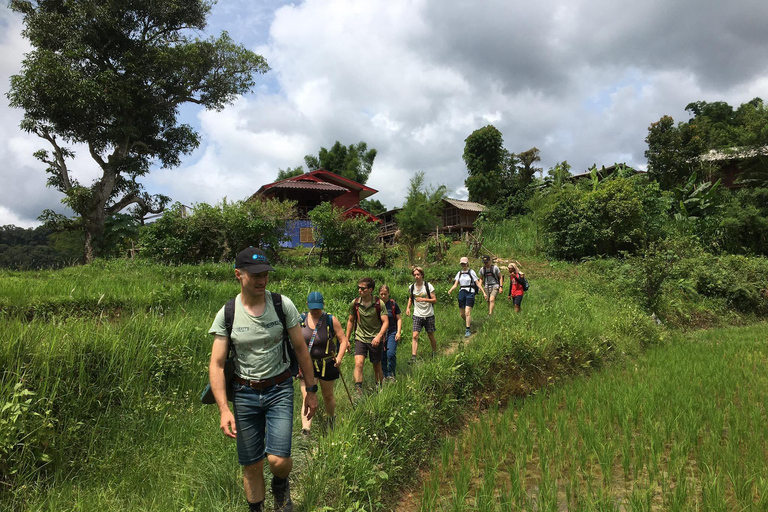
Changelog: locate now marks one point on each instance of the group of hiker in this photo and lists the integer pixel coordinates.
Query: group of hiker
(261, 341)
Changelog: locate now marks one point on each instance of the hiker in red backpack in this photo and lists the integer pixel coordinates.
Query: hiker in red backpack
(389, 355)
(421, 295)
(261, 387)
(493, 282)
(517, 283)
(319, 329)
(367, 325)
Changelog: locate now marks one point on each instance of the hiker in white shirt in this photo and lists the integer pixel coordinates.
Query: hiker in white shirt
(421, 295)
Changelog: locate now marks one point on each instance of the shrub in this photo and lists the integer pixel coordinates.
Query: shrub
(619, 215)
(344, 239)
(216, 233)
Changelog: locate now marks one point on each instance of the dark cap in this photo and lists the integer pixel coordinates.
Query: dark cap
(486, 259)
(253, 260)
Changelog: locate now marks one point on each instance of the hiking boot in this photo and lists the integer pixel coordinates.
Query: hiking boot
(330, 422)
(282, 494)
(305, 433)
(413, 359)
(467, 334)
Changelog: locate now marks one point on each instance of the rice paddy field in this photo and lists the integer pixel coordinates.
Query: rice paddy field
(101, 368)
(683, 427)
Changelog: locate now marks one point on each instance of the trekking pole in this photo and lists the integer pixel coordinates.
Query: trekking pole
(341, 374)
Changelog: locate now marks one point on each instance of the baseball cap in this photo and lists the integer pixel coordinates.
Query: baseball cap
(486, 259)
(253, 260)
(464, 259)
(315, 300)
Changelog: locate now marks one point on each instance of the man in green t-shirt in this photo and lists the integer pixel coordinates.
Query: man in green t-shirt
(369, 321)
(262, 385)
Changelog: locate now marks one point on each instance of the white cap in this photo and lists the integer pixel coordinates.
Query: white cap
(464, 260)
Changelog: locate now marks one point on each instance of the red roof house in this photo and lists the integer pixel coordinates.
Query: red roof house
(310, 190)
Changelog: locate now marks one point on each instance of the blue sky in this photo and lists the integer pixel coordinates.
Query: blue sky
(580, 79)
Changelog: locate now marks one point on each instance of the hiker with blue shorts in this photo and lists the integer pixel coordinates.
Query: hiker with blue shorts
(468, 284)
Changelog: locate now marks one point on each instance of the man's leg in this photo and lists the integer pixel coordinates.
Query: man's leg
(358, 373)
(492, 299)
(414, 343)
(253, 482)
(432, 341)
(279, 411)
(306, 423)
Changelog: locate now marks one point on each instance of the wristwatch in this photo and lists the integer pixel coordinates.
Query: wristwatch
(312, 389)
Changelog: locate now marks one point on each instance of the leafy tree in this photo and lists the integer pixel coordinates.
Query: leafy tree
(353, 162)
(484, 154)
(527, 169)
(345, 240)
(112, 74)
(559, 175)
(283, 174)
(420, 213)
(216, 233)
(621, 215)
(674, 152)
(374, 206)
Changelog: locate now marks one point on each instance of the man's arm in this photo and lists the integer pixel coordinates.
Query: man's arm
(305, 363)
(219, 385)
(384, 326)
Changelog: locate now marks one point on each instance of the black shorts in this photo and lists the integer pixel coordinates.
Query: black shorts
(517, 300)
(325, 369)
(369, 351)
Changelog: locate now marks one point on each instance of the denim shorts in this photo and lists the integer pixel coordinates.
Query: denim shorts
(264, 421)
(466, 299)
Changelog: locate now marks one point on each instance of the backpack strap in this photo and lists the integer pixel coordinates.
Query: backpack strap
(303, 319)
(426, 287)
(277, 302)
(229, 320)
(410, 289)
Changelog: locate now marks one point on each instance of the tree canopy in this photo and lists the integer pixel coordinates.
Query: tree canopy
(353, 162)
(674, 151)
(420, 213)
(484, 153)
(112, 74)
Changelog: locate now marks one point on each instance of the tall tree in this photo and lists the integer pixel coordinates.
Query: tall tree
(289, 173)
(112, 74)
(527, 170)
(674, 151)
(420, 213)
(353, 162)
(484, 154)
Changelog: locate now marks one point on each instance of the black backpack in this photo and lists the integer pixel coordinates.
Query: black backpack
(524, 282)
(426, 287)
(472, 285)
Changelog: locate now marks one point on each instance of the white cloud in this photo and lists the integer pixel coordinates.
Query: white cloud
(581, 80)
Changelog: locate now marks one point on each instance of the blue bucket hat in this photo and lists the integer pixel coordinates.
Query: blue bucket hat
(315, 300)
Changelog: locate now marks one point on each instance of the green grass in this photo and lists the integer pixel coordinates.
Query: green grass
(681, 428)
(103, 384)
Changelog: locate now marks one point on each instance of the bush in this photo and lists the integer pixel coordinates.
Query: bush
(345, 240)
(621, 215)
(216, 233)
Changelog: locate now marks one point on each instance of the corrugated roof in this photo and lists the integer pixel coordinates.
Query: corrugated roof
(308, 185)
(717, 155)
(465, 205)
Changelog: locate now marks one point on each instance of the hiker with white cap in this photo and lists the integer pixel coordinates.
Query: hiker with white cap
(468, 284)
(319, 330)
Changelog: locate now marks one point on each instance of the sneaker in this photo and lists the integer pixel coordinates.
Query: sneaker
(330, 422)
(282, 496)
(305, 433)
(467, 333)
(413, 359)
(389, 379)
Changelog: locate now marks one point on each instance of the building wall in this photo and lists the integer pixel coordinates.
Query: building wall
(347, 200)
(295, 229)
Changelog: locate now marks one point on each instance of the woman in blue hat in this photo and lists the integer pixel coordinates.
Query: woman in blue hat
(320, 329)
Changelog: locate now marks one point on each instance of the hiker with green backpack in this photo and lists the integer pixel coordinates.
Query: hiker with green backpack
(257, 335)
(421, 295)
(319, 330)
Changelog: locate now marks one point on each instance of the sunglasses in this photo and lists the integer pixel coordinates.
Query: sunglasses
(362, 287)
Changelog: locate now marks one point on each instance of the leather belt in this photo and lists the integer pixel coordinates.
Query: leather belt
(263, 383)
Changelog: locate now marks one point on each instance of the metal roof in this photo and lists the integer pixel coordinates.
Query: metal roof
(717, 155)
(308, 185)
(465, 205)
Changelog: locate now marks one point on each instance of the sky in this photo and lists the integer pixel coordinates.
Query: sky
(579, 79)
